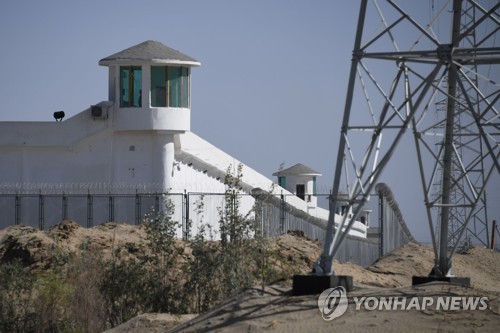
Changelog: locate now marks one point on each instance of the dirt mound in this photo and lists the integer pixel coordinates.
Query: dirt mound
(64, 230)
(396, 268)
(151, 322)
(276, 310)
(26, 244)
(292, 253)
(481, 265)
(40, 250)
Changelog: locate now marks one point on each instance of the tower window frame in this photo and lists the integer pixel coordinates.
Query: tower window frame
(282, 181)
(170, 86)
(130, 86)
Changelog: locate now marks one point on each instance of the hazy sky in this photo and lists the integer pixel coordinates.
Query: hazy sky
(271, 87)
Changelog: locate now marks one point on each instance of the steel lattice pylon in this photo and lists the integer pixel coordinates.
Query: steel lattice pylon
(477, 229)
(393, 93)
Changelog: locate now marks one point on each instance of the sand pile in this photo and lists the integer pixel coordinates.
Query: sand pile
(40, 250)
(276, 310)
(396, 268)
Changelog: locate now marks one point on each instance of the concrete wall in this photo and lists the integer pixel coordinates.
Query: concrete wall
(85, 150)
(107, 154)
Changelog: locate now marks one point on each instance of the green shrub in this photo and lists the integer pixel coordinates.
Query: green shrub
(164, 288)
(17, 312)
(123, 290)
(52, 303)
(216, 270)
(203, 271)
(85, 275)
(84, 293)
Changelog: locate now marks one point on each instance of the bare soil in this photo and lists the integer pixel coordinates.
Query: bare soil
(274, 309)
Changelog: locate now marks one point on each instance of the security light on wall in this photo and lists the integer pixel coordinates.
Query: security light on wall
(59, 115)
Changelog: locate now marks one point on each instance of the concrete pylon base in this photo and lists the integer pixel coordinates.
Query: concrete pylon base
(461, 281)
(316, 284)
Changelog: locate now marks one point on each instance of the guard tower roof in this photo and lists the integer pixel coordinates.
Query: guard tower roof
(297, 169)
(151, 52)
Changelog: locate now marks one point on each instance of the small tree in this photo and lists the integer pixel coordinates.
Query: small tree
(203, 272)
(16, 298)
(123, 290)
(202, 267)
(88, 305)
(235, 229)
(52, 303)
(164, 285)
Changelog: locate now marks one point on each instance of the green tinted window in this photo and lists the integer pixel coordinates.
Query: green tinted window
(175, 82)
(158, 86)
(124, 86)
(169, 87)
(137, 86)
(314, 185)
(130, 86)
(282, 181)
(185, 88)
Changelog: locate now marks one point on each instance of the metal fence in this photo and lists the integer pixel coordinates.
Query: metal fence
(45, 210)
(393, 229)
(272, 212)
(279, 217)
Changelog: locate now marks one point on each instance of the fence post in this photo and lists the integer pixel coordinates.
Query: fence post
(89, 210)
(157, 203)
(381, 222)
(64, 207)
(111, 208)
(494, 234)
(137, 208)
(17, 210)
(259, 215)
(282, 214)
(186, 216)
(41, 211)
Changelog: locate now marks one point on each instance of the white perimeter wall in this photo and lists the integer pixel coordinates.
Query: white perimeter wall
(107, 157)
(92, 152)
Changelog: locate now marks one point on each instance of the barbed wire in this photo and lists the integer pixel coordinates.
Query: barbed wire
(81, 188)
(102, 188)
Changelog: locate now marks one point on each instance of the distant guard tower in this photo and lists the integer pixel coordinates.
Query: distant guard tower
(301, 181)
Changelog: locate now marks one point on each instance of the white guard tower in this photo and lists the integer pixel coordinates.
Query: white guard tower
(301, 181)
(149, 85)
